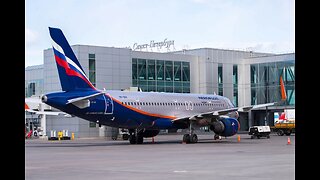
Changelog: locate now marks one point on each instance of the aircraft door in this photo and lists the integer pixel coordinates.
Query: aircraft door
(109, 105)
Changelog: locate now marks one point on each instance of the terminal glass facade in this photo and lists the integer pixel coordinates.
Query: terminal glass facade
(220, 79)
(33, 87)
(92, 69)
(92, 78)
(265, 82)
(235, 85)
(161, 75)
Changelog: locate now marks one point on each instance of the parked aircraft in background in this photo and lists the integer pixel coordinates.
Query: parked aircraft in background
(143, 113)
(33, 105)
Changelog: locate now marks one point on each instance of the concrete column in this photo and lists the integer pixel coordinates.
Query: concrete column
(244, 86)
(194, 76)
(43, 121)
(227, 75)
(111, 132)
(102, 131)
(250, 117)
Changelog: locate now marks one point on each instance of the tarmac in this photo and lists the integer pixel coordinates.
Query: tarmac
(240, 158)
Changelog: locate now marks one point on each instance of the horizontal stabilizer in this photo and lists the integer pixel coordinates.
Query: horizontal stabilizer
(84, 98)
(83, 102)
(46, 112)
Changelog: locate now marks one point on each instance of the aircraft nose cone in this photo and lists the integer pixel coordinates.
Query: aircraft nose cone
(44, 98)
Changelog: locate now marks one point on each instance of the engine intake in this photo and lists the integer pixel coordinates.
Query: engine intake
(225, 127)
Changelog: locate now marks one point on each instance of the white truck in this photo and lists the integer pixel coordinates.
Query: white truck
(259, 131)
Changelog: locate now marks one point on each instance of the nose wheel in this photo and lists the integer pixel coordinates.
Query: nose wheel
(191, 137)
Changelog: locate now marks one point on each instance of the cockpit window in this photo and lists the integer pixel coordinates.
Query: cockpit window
(229, 103)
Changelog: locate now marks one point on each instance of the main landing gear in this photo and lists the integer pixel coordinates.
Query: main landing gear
(191, 137)
(136, 136)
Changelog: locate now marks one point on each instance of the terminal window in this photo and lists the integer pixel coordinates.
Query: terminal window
(161, 75)
(92, 69)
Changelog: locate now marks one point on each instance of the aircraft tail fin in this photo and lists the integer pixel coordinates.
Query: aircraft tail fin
(71, 74)
(283, 90)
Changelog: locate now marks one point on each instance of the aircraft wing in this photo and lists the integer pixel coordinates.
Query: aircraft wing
(211, 114)
(248, 108)
(214, 114)
(46, 112)
(36, 111)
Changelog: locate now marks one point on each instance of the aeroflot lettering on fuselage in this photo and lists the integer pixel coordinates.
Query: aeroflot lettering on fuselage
(208, 98)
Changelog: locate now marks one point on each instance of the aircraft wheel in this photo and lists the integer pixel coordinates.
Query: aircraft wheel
(194, 138)
(288, 132)
(125, 136)
(280, 132)
(186, 138)
(132, 139)
(139, 139)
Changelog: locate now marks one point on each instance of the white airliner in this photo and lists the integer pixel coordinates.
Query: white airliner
(143, 113)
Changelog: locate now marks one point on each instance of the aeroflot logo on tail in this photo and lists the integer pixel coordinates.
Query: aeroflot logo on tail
(208, 98)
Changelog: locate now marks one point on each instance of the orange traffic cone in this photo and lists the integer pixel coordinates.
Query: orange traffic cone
(289, 142)
(238, 138)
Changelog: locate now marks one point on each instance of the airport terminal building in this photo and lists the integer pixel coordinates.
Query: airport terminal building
(245, 77)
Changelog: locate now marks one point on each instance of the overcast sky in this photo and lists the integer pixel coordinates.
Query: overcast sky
(258, 25)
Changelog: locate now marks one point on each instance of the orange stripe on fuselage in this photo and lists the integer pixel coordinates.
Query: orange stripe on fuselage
(140, 111)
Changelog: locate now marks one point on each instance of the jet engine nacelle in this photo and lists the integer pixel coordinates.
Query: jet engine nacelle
(225, 127)
(150, 133)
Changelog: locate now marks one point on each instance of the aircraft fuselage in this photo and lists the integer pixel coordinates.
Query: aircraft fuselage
(138, 109)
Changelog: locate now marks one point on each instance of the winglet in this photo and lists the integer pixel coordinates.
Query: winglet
(283, 91)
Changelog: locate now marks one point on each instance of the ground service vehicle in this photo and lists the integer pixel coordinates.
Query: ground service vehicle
(284, 128)
(259, 131)
(285, 124)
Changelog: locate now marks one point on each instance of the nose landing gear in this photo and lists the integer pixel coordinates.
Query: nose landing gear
(191, 137)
